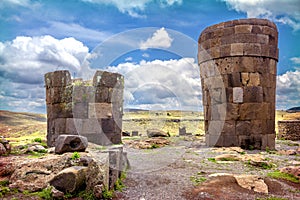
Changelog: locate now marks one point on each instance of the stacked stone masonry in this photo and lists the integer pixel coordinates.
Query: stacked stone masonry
(237, 62)
(92, 108)
(289, 130)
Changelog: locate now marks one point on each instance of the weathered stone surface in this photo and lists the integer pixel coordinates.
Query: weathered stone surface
(156, 133)
(293, 170)
(227, 157)
(244, 53)
(182, 131)
(70, 179)
(77, 106)
(70, 143)
(34, 174)
(252, 182)
(289, 130)
(2, 149)
(135, 133)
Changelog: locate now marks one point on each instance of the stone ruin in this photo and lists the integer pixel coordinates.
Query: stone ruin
(289, 130)
(237, 62)
(93, 109)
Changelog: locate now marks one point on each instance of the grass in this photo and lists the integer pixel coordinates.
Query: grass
(280, 175)
(198, 179)
(107, 194)
(272, 198)
(212, 160)
(75, 156)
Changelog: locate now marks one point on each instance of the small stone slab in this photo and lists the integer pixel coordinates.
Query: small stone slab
(70, 143)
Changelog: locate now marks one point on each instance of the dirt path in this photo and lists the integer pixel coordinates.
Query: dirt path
(173, 172)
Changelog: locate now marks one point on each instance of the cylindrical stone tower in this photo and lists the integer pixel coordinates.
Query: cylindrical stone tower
(237, 62)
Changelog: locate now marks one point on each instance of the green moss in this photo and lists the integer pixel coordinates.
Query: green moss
(3, 191)
(107, 194)
(45, 193)
(75, 156)
(197, 179)
(280, 175)
(4, 183)
(212, 160)
(154, 146)
(87, 195)
(39, 140)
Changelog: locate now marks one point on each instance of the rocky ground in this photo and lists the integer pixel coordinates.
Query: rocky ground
(186, 169)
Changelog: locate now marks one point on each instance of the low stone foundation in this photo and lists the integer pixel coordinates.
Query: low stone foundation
(289, 130)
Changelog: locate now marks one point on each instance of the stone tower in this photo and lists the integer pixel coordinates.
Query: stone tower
(93, 109)
(237, 62)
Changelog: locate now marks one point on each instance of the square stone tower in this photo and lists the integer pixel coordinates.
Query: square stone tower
(93, 108)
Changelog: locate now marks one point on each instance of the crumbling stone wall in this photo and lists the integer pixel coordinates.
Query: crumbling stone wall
(289, 130)
(92, 108)
(237, 62)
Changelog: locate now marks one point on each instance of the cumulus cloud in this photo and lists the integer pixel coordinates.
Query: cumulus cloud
(134, 7)
(25, 60)
(169, 84)
(159, 39)
(286, 12)
(288, 90)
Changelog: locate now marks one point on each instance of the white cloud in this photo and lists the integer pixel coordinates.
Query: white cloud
(288, 90)
(296, 60)
(24, 3)
(60, 29)
(128, 59)
(286, 12)
(25, 60)
(134, 7)
(159, 39)
(170, 84)
(146, 55)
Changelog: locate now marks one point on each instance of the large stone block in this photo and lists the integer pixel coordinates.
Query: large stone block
(108, 79)
(80, 110)
(253, 94)
(58, 79)
(70, 143)
(100, 110)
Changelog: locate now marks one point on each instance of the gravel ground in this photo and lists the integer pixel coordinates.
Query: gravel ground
(171, 172)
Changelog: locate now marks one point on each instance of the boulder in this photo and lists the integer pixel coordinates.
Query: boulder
(287, 152)
(36, 148)
(228, 157)
(293, 170)
(157, 133)
(5, 147)
(252, 182)
(2, 149)
(70, 143)
(126, 133)
(70, 179)
(34, 174)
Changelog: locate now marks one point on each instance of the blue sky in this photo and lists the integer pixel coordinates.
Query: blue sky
(153, 43)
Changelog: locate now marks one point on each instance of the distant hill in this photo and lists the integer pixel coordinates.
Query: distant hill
(294, 109)
(133, 110)
(21, 123)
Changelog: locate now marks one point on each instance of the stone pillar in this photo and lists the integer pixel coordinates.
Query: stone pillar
(237, 62)
(93, 109)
